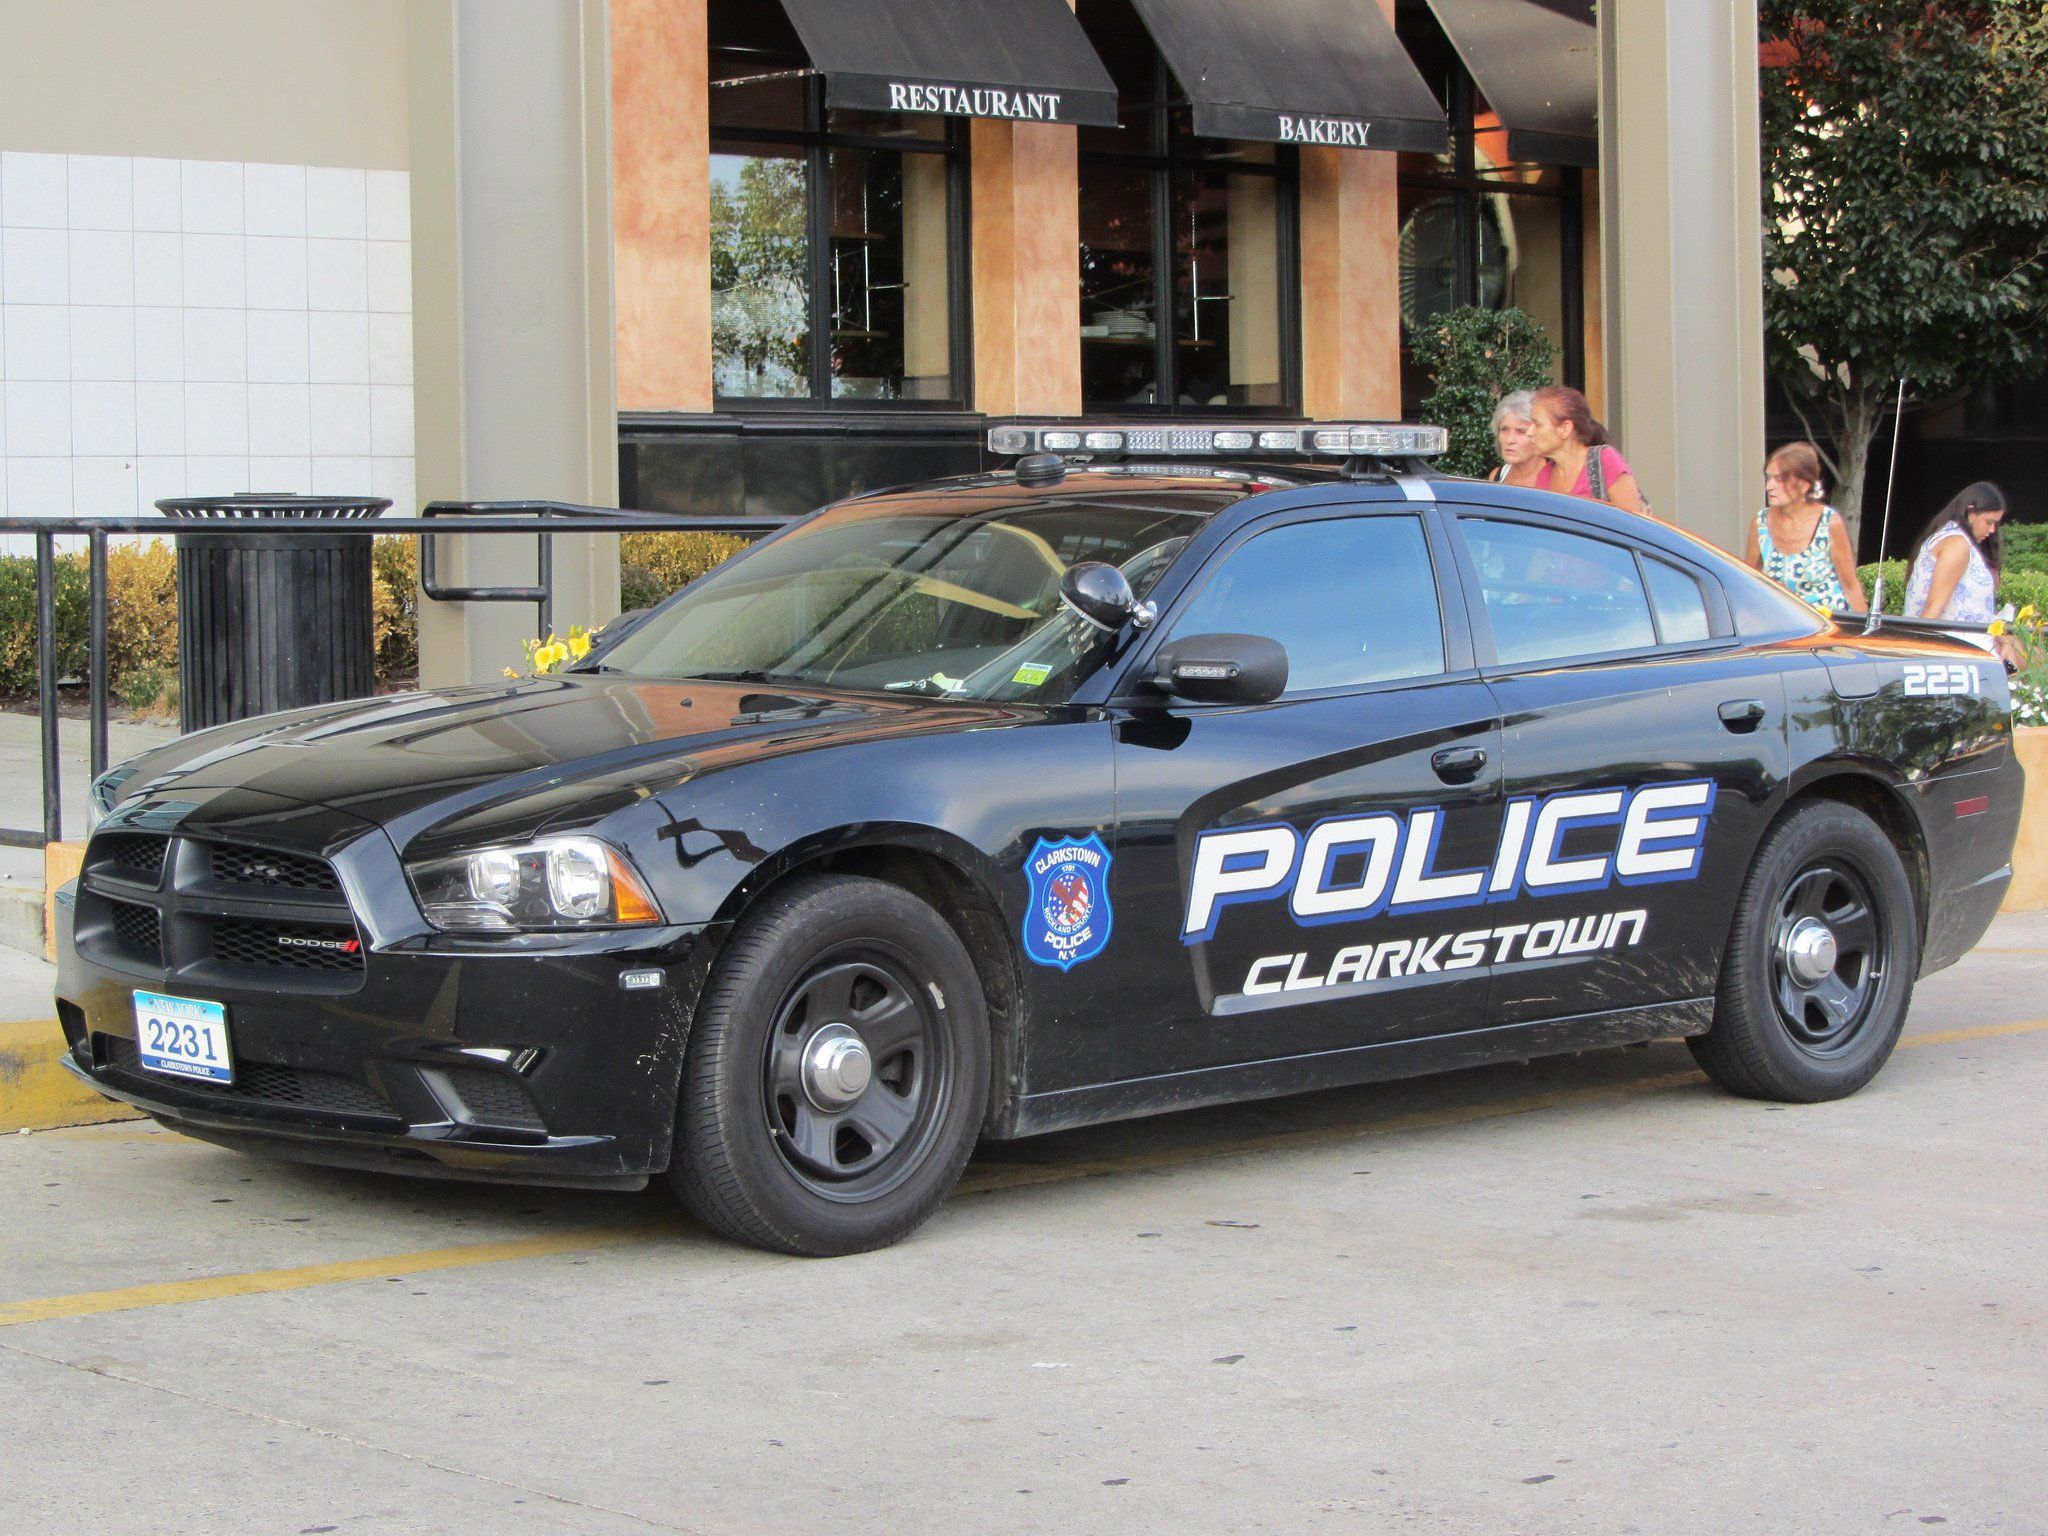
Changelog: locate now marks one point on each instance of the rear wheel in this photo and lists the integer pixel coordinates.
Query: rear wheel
(836, 1074)
(1820, 963)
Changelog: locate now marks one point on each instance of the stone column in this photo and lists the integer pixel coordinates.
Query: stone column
(1027, 268)
(514, 371)
(661, 191)
(1350, 282)
(1681, 247)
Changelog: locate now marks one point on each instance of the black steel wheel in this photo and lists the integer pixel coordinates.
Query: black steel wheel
(858, 1067)
(1820, 962)
(1827, 957)
(837, 1071)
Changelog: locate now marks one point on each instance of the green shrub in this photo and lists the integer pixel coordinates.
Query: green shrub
(395, 605)
(652, 565)
(1474, 356)
(2026, 546)
(1894, 573)
(19, 631)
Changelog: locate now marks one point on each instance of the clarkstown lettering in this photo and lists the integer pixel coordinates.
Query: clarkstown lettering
(1341, 131)
(976, 101)
(1356, 965)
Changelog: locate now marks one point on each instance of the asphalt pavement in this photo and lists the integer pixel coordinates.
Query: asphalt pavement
(1591, 1295)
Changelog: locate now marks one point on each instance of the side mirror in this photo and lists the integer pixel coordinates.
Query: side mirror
(1102, 595)
(1222, 669)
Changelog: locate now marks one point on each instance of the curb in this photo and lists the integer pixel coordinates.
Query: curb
(21, 920)
(36, 1093)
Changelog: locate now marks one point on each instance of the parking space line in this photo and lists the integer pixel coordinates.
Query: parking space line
(986, 1181)
(264, 1281)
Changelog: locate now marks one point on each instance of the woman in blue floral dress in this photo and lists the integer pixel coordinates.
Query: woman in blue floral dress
(1798, 540)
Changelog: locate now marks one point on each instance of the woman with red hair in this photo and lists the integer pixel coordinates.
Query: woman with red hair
(1578, 458)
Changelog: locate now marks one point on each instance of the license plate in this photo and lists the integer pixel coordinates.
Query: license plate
(183, 1037)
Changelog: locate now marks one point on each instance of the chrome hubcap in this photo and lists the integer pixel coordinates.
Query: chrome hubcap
(836, 1068)
(1810, 951)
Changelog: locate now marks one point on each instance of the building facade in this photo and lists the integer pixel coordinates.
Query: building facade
(850, 235)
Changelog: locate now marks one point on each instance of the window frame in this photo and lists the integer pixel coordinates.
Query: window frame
(1131, 687)
(1172, 150)
(817, 139)
(1721, 633)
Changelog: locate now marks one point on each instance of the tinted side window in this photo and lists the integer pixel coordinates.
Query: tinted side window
(1353, 601)
(1551, 594)
(1681, 606)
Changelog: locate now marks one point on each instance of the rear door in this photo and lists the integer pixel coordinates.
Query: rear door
(1279, 867)
(1641, 743)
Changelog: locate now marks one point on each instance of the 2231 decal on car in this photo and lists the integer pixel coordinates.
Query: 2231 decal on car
(1069, 916)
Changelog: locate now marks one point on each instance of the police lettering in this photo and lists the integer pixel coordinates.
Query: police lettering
(1579, 840)
(976, 101)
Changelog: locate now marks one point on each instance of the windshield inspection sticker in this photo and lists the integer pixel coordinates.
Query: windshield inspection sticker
(1068, 917)
(1031, 674)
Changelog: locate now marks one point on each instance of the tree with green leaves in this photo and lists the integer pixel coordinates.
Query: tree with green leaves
(1905, 177)
(1474, 356)
(760, 277)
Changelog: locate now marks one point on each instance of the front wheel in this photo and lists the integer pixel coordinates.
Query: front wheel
(1820, 963)
(836, 1074)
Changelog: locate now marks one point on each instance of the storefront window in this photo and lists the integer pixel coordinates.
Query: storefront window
(1187, 266)
(1478, 228)
(835, 236)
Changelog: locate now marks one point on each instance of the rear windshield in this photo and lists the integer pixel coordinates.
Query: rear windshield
(949, 594)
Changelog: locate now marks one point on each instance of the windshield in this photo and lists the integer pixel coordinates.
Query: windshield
(951, 594)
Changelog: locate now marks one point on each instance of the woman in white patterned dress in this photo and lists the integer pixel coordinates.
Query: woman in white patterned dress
(1956, 564)
(1798, 540)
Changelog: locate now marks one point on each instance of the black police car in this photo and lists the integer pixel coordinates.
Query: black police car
(1199, 771)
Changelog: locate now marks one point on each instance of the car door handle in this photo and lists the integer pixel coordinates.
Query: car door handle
(1741, 715)
(1458, 765)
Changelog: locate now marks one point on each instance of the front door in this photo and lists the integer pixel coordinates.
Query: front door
(1294, 862)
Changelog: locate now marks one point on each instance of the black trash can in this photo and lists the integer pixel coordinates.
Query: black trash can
(271, 621)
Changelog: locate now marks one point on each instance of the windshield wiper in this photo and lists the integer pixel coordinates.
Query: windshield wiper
(745, 677)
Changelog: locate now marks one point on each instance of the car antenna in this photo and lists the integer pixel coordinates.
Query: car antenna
(1891, 478)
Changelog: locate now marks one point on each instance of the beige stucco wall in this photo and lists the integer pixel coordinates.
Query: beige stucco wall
(2029, 888)
(290, 82)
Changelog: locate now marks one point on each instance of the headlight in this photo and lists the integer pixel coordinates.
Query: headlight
(105, 790)
(558, 882)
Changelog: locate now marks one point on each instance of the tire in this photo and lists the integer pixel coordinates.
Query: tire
(1787, 1024)
(779, 1142)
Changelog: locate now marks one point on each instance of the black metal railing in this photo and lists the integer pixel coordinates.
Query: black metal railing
(440, 519)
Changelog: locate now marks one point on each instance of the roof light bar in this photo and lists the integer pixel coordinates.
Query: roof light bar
(1372, 440)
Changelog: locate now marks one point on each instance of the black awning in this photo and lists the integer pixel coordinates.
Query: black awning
(1297, 72)
(1538, 64)
(1025, 60)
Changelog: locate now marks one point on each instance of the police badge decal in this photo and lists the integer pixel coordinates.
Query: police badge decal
(1067, 919)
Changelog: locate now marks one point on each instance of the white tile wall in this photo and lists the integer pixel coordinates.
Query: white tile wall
(178, 327)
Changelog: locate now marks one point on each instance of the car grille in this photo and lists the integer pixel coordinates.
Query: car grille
(138, 929)
(136, 856)
(258, 1082)
(256, 867)
(217, 911)
(296, 947)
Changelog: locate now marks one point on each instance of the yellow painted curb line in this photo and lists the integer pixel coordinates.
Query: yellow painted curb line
(36, 1093)
(264, 1282)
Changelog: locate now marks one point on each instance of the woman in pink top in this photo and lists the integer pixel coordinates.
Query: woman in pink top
(1568, 437)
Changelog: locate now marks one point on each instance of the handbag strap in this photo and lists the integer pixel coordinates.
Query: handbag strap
(1596, 473)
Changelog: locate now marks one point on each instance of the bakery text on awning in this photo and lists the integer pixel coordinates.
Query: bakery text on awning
(1297, 72)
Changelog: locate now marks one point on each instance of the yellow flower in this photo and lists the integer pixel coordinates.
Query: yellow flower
(2027, 615)
(512, 674)
(579, 645)
(1998, 626)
